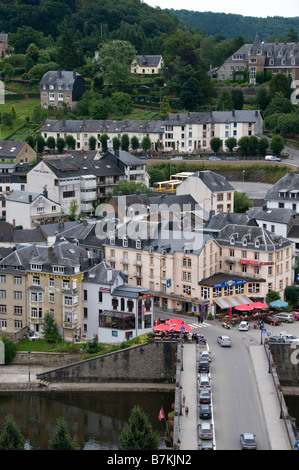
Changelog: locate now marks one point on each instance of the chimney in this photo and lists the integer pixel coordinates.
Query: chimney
(30, 198)
(50, 252)
(109, 275)
(45, 192)
(74, 75)
(59, 74)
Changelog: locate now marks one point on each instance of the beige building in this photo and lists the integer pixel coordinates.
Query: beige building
(147, 64)
(61, 87)
(18, 151)
(210, 190)
(36, 280)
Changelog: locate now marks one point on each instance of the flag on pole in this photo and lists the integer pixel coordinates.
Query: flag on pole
(161, 414)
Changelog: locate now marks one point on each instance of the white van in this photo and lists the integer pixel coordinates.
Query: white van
(272, 158)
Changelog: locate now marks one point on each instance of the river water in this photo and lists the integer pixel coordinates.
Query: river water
(95, 419)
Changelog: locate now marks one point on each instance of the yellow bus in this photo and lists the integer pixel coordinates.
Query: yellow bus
(166, 186)
(182, 176)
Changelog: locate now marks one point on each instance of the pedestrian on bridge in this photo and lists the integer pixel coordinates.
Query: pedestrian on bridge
(186, 411)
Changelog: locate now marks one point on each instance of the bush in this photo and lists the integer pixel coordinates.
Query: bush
(9, 349)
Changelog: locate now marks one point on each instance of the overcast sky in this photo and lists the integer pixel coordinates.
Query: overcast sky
(264, 8)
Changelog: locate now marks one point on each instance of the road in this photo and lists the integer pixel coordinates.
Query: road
(235, 400)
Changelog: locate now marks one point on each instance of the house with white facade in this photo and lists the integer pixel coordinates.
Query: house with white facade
(147, 64)
(29, 209)
(284, 194)
(113, 311)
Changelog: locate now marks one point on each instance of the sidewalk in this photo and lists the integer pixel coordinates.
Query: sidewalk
(189, 425)
(277, 434)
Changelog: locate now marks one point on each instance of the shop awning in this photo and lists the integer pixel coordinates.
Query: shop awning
(231, 302)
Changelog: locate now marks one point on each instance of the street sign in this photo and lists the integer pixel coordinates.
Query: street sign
(264, 330)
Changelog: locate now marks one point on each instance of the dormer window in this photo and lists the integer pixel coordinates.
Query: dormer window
(244, 242)
(257, 244)
(138, 244)
(232, 240)
(58, 269)
(36, 267)
(125, 242)
(112, 240)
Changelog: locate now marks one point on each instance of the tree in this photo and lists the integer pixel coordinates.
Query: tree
(130, 187)
(50, 331)
(70, 142)
(68, 56)
(231, 143)
(165, 108)
(252, 145)
(191, 95)
(60, 144)
(277, 144)
(117, 71)
(225, 101)
(243, 144)
(61, 439)
(238, 99)
(262, 146)
(271, 296)
(279, 84)
(125, 142)
(92, 142)
(215, 144)
(104, 142)
(134, 143)
(138, 434)
(146, 143)
(10, 349)
(50, 142)
(11, 437)
(39, 143)
(73, 209)
(262, 99)
(292, 294)
(99, 109)
(121, 103)
(242, 202)
(116, 143)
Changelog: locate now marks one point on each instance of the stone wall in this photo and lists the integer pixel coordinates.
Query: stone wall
(286, 359)
(149, 362)
(44, 359)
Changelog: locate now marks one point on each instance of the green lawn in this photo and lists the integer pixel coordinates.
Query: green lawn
(23, 109)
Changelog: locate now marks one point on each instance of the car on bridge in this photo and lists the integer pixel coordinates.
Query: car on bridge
(203, 366)
(248, 441)
(205, 411)
(205, 396)
(205, 355)
(206, 431)
(224, 341)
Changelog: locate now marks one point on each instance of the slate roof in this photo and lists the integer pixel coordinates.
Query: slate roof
(99, 274)
(6, 232)
(267, 241)
(29, 236)
(289, 182)
(102, 126)
(127, 158)
(58, 78)
(10, 148)
(212, 180)
(76, 165)
(219, 221)
(148, 60)
(281, 216)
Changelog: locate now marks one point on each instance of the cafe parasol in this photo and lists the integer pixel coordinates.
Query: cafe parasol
(162, 327)
(259, 305)
(244, 308)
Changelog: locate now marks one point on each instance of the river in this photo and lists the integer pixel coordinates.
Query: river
(95, 419)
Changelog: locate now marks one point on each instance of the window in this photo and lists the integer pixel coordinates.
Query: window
(17, 280)
(35, 281)
(253, 287)
(58, 269)
(36, 267)
(18, 310)
(138, 244)
(3, 294)
(68, 300)
(36, 297)
(17, 295)
(67, 194)
(186, 290)
(2, 279)
(2, 308)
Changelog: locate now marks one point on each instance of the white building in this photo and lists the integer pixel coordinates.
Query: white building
(113, 311)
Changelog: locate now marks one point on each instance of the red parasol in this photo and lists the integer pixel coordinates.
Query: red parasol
(162, 327)
(179, 328)
(175, 321)
(244, 308)
(259, 305)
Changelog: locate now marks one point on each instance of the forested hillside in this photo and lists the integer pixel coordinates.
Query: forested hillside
(231, 25)
(90, 20)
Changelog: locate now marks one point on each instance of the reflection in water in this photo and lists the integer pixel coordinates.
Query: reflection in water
(95, 419)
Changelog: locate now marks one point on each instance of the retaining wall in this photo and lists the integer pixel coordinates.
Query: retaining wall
(149, 363)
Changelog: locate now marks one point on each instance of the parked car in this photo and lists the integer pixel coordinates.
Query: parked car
(224, 341)
(272, 158)
(206, 431)
(214, 159)
(176, 158)
(206, 446)
(248, 440)
(244, 326)
(205, 411)
(203, 366)
(204, 382)
(295, 315)
(205, 355)
(205, 396)
(271, 320)
(277, 339)
(287, 336)
(232, 159)
(285, 316)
